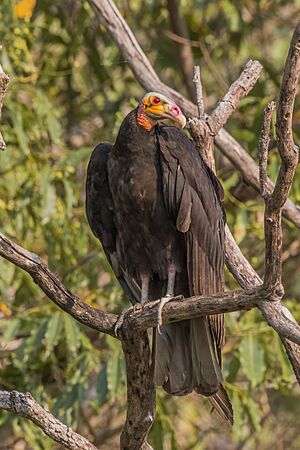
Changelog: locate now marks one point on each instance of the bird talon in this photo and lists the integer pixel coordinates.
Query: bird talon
(168, 298)
(120, 321)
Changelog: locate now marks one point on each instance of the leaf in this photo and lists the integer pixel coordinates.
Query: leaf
(101, 386)
(19, 131)
(53, 332)
(252, 357)
(12, 331)
(254, 413)
(238, 416)
(114, 374)
(48, 195)
(72, 333)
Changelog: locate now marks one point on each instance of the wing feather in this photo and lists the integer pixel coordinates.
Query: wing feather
(99, 211)
(193, 197)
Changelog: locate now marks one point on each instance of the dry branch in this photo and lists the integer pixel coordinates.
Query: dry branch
(289, 154)
(263, 148)
(54, 289)
(141, 393)
(110, 17)
(198, 89)
(277, 316)
(26, 406)
(147, 318)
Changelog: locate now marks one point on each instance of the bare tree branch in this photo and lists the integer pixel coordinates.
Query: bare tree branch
(263, 148)
(110, 17)
(26, 406)
(55, 290)
(198, 90)
(141, 392)
(277, 316)
(4, 80)
(147, 318)
(289, 154)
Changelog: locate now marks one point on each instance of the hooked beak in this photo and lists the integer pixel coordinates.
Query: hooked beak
(167, 111)
(174, 113)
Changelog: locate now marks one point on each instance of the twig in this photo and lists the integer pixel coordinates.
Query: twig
(4, 80)
(263, 148)
(198, 89)
(26, 406)
(108, 14)
(55, 290)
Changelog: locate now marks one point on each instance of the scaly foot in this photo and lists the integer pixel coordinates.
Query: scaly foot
(120, 320)
(162, 302)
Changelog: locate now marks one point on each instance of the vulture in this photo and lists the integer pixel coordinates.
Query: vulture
(157, 209)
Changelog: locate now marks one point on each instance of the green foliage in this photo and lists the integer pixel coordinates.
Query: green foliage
(70, 88)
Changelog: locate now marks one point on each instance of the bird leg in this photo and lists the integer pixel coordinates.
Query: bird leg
(145, 278)
(169, 294)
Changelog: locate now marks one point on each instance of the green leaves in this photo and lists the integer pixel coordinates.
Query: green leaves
(252, 357)
(53, 333)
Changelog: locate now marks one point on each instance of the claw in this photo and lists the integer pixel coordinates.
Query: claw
(162, 302)
(120, 321)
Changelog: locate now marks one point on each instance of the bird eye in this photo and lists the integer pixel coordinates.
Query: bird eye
(155, 100)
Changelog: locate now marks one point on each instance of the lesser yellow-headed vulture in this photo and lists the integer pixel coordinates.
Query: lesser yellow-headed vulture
(157, 209)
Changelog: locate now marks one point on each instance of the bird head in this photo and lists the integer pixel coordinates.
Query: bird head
(154, 107)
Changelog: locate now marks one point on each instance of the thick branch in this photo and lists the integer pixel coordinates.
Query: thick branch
(54, 289)
(140, 390)
(4, 79)
(288, 152)
(26, 406)
(199, 306)
(143, 71)
(289, 155)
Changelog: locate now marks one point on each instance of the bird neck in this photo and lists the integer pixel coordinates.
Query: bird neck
(142, 119)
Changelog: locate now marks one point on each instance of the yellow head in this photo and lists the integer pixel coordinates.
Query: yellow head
(157, 107)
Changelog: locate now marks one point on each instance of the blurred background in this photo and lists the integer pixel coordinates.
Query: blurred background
(69, 89)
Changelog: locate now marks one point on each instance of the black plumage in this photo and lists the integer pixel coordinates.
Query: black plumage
(156, 206)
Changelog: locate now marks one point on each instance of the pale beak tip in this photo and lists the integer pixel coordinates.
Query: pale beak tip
(182, 121)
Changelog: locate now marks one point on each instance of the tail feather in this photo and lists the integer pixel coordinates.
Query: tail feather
(221, 403)
(206, 370)
(186, 359)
